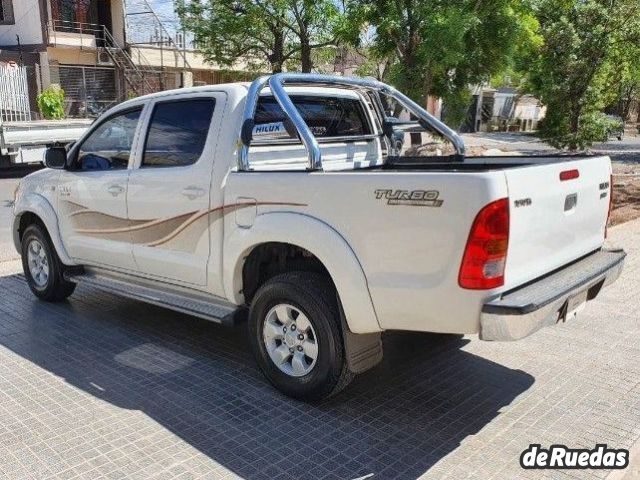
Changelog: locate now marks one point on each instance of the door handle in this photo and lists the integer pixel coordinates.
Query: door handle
(115, 190)
(193, 192)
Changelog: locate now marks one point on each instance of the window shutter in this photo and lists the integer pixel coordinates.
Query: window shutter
(6, 11)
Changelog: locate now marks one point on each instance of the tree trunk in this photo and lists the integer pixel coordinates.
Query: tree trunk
(276, 59)
(574, 126)
(305, 59)
(305, 54)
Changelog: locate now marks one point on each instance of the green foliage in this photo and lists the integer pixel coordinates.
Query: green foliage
(51, 103)
(571, 73)
(527, 45)
(456, 107)
(594, 127)
(260, 33)
(441, 48)
(622, 78)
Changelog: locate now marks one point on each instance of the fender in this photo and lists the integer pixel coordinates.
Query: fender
(318, 238)
(40, 206)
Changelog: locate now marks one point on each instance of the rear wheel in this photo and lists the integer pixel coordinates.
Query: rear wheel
(42, 266)
(296, 338)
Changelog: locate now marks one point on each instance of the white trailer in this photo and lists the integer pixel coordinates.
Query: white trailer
(25, 141)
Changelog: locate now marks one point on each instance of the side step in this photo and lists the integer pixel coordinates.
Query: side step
(208, 308)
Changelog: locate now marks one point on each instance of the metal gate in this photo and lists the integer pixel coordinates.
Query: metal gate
(88, 90)
(14, 94)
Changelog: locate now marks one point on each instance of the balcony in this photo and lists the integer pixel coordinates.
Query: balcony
(85, 36)
(82, 23)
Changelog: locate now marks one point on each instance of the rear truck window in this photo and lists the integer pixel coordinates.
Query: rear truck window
(341, 124)
(326, 116)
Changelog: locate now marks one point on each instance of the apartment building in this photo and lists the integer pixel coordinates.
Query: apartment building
(64, 42)
(82, 45)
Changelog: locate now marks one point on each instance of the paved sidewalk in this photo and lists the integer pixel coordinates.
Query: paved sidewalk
(104, 387)
(586, 388)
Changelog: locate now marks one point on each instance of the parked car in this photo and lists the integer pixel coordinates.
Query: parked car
(292, 203)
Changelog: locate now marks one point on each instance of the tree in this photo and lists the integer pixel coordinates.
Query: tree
(443, 47)
(227, 31)
(571, 72)
(259, 32)
(623, 78)
(313, 24)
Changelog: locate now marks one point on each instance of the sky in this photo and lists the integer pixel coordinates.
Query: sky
(142, 26)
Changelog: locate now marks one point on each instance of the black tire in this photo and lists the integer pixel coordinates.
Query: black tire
(315, 296)
(56, 288)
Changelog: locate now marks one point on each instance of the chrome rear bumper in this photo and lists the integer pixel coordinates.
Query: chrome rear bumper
(550, 299)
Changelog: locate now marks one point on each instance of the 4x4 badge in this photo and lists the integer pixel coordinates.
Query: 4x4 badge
(416, 198)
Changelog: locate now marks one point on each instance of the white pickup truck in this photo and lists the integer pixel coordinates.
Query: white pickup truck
(294, 199)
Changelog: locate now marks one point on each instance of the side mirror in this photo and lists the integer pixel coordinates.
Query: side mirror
(55, 157)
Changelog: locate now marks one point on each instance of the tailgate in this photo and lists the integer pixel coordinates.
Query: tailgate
(554, 221)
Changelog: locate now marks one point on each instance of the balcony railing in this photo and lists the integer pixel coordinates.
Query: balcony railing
(76, 34)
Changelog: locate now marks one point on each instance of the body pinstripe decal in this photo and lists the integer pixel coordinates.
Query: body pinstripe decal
(192, 217)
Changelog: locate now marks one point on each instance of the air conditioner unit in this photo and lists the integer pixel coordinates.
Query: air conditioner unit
(104, 58)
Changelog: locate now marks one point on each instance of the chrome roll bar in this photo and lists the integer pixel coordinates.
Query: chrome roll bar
(276, 84)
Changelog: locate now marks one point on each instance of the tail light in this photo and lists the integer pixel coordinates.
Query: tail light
(606, 225)
(569, 175)
(485, 255)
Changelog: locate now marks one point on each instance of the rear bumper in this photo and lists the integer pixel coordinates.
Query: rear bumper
(550, 299)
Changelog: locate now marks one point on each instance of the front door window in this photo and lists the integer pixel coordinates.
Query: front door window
(108, 147)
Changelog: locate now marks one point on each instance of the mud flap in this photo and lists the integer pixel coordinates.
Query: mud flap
(363, 351)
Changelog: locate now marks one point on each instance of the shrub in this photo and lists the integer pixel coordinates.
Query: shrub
(594, 127)
(51, 103)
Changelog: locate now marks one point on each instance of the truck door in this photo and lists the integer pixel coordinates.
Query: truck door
(93, 191)
(169, 190)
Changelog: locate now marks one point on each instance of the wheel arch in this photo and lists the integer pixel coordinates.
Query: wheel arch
(322, 242)
(35, 208)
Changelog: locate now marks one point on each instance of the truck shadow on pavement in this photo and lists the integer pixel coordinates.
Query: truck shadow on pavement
(198, 380)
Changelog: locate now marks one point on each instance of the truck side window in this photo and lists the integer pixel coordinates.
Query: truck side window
(325, 116)
(108, 147)
(178, 132)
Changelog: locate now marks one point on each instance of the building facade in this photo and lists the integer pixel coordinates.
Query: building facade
(82, 45)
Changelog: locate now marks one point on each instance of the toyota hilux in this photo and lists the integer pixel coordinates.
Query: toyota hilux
(298, 202)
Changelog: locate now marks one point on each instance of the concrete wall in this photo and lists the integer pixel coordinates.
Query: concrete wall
(27, 24)
(72, 39)
(156, 57)
(117, 20)
(71, 56)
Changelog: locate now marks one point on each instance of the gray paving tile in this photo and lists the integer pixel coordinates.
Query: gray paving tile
(103, 387)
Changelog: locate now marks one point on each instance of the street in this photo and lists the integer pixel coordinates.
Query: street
(627, 150)
(105, 387)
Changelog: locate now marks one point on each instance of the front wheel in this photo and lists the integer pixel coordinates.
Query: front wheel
(42, 266)
(296, 337)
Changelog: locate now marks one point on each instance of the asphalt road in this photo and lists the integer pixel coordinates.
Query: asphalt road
(627, 150)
